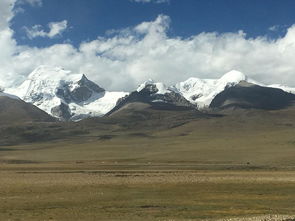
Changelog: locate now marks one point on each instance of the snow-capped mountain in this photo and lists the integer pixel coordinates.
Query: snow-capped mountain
(70, 96)
(153, 93)
(192, 92)
(201, 92)
(252, 96)
(65, 95)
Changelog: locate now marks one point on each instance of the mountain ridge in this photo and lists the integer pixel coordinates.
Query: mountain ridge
(16, 111)
(71, 96)
(246, 95)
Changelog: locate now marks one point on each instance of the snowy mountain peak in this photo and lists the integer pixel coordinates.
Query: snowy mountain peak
(233, 77)
(198, 91)
(64, 94)
(44, 72)
(153, 87)
(54, 75)
(202, 91)
(46, 82)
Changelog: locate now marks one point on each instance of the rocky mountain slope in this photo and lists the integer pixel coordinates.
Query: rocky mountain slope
(247, 95)
(15, 111)
(154, 94)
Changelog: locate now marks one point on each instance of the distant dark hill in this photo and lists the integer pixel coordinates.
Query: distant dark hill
(161, 101)
(246, 95)
(13, 111)
(153, 116)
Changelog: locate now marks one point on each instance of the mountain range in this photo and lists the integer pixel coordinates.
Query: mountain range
(72, 97)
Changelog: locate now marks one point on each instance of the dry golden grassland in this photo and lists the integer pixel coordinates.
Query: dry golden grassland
(53, 193)
(241, 166)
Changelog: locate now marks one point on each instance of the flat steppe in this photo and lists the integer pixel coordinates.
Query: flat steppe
(239, 166)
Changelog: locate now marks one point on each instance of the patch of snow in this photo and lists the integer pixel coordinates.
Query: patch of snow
(162, 88)
(144, 84)
(156, 101)
(284, 88)
(233, 77)
(98, 105)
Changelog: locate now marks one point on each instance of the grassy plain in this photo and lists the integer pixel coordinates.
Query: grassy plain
(241, 165)
(144, 195)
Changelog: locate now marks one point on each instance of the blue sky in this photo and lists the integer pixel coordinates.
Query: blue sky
(92, 18)
(121, 43)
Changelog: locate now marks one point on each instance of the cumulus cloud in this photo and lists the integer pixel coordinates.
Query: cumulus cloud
(151, 1)
(55, 29)
(128, 57)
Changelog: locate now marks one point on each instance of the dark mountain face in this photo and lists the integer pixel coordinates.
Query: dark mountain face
(84, 90)
(61, 111)
(149, 94)
(17, 111)
(245, 95)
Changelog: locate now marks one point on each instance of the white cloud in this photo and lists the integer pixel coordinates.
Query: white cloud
(18, 5)
(55, 29)
(274, 28)
(7, 43)
(37, 3)
(151, 1)
(127, 58)
(6, 13)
